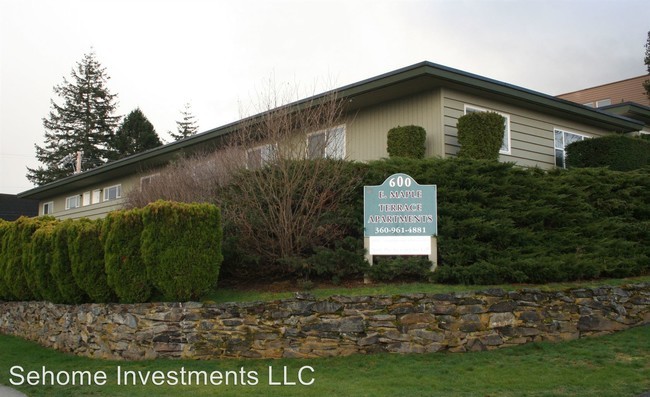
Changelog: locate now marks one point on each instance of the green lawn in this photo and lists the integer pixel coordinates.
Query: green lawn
(615, 365)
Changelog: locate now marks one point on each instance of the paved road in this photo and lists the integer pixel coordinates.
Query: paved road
(9, 392)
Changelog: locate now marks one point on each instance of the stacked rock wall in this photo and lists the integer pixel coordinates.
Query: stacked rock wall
(340, 325)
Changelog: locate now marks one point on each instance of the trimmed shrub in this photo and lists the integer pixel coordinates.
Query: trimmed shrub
(87, 259)
(61, 266)
(5, 294)
(407, 141)
(28, 230)
(125, 271)
(17, 242)
(40, 263)
(480, 135)
(181, 247)
(617, 152)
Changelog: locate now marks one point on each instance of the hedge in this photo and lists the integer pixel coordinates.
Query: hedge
(100, 261)
(407, 141)
(61, 269)
(181, 248)
(125, 271)
(497, 223)
(480, 135)
(41, 260)
(618, 152)
(5, 294)
(87, 260)
(16, 254)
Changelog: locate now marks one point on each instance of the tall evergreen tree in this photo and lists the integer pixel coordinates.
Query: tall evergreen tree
(83, 120)
(187, 126)
(136, 134)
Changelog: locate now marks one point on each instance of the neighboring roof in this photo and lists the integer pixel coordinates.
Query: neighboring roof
(12, 207)
(392, 85)
(627, 90)
(630, 110)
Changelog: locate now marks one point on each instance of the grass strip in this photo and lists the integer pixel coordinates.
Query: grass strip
(613, 365)
(222, 295)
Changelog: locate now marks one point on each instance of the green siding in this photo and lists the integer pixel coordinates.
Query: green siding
(531, 132)
(366, 131)
(95, 210)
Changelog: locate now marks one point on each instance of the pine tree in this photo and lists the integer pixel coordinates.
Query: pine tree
(136, 134)
(188, 126)
(84, 121)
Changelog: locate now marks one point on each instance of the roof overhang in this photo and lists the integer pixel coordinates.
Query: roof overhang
(630, 110)
(414, 79)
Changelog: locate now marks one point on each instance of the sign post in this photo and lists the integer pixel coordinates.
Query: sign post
(400, 218)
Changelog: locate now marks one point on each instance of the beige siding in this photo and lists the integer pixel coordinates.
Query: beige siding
(531, 133)
(367, 130)
(94, 210)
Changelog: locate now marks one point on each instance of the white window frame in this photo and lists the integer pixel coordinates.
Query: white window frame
(335, 143)
(559, 145)
(96, 196)
(72, 202)
(147, 179)
(506, 134)
(85, 200)
(118, 192)
(266, 154)
(48, 208)
(603, 102)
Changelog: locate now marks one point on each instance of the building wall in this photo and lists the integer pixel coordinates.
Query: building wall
(437, 111)
(629, 90)
(531, 133)
(367, 130)
(92, 210)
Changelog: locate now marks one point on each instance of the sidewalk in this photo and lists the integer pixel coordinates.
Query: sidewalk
(9, 392)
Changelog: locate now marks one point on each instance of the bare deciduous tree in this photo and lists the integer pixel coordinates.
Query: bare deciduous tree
(279, 178)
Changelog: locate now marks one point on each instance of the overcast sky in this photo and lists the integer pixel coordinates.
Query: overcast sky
(220, 55)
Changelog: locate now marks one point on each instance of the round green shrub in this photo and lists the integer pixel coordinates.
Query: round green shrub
(87, 259)
(480, 135)
(62, 268)
(181, 247)
(125, 270)
(618, 152)
(407, 141)
(40, 263)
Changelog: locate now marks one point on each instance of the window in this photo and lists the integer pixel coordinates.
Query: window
(562, 140)
(328, 143)
(48, 208)
(112, 192)
(145, 181)
(97, 194)
(72, 202)
(86, 199)
(505, 146)
(260, 156)
(603, 102)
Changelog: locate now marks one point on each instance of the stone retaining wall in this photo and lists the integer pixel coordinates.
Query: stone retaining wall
(339, 325)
